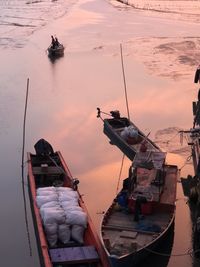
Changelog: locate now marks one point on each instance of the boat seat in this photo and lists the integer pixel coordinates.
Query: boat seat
(48, 170)
(74, 255)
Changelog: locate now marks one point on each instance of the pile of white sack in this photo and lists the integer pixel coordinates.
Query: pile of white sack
(129, 132)
(62, 217)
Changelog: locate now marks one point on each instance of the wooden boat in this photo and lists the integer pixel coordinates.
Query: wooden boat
(143, 213)
(48, 172)
(56, 51)
(125, 134)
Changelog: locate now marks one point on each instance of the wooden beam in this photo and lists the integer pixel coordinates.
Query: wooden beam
(48, 170)
(131, 229)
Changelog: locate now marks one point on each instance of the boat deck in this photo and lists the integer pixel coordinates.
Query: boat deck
(74, 255)
(121, 234)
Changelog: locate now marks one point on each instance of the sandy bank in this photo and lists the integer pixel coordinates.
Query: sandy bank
(188, 10)
(173, 58)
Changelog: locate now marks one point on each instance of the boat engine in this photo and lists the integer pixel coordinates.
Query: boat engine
(43, 148)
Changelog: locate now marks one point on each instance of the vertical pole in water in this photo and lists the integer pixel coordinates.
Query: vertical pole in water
(124, 82)
(23, 185)
(124, 79)
(120, 173)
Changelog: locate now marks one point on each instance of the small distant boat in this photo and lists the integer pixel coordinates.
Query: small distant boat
(143, 213)
(64, 231)
(125, 134)
(56, 51)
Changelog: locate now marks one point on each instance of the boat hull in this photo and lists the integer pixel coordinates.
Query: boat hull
(56, 52)
(40, 253)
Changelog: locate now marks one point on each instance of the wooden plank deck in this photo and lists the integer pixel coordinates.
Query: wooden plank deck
(122, 230)
(127, 229)
(74, 255)
(48, 170)
(169, 191)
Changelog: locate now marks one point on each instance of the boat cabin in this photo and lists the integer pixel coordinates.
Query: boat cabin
(146, 183)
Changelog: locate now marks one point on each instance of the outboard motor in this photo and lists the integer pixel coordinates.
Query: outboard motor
(115, 114)
(43, 148)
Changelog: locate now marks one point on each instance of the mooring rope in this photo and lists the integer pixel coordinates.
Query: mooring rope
(22, 166)
(187, 160)
(189, 252)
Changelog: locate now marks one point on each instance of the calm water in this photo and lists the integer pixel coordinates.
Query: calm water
(62, 102)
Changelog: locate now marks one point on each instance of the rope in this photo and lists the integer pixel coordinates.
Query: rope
(189, 252)
(120, 173)
(187, 160)
(23, 187)
(124, 82)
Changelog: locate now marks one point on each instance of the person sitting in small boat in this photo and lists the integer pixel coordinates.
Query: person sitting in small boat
(56, 42)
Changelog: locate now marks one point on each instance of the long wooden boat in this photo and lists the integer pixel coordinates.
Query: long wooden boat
(125, 134)
(64, 231)
(143, 213)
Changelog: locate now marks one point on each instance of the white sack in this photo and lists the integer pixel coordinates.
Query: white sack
(125, 133)
(76, 217)
(64, 233)
(129, 131)
(51, 229)
(68, 196)
(63, 189)
(132, 132)
(52, 239)
(46, 189)
(71, 208)
(47, 193)
(52, 204)
(77, 233)
(40, 200)
(69, 204)
(53, 215)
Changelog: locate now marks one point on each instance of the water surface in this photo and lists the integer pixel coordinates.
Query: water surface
(63, 97)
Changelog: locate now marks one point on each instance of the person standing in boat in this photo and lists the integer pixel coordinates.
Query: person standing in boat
(53, 41)
(197, 75)
(56, 42)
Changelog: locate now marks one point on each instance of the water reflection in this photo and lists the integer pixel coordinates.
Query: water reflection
(53, 58)
(63, 101)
